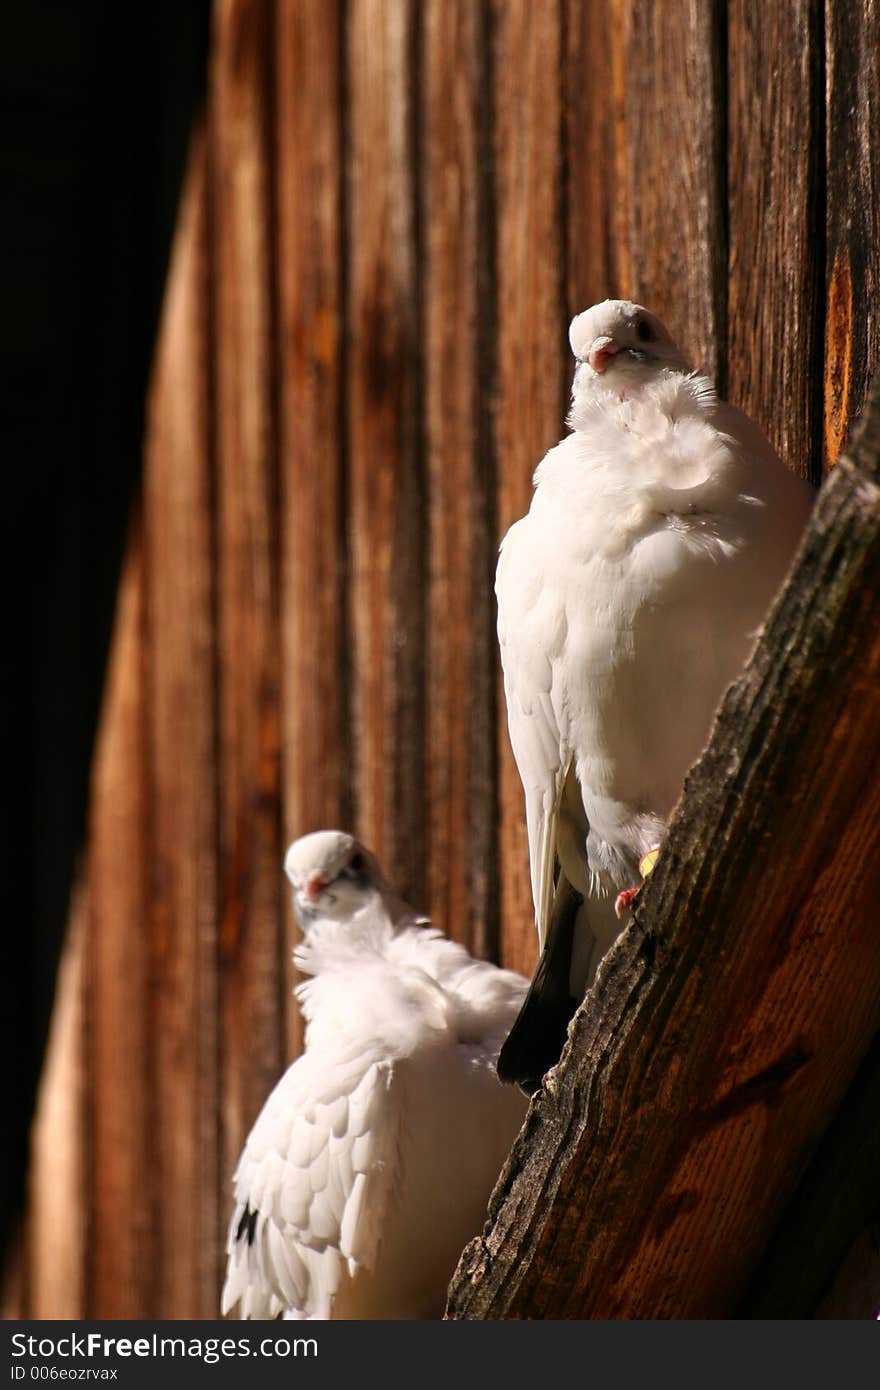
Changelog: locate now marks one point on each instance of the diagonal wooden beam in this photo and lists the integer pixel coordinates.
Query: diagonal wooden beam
(729, 1020)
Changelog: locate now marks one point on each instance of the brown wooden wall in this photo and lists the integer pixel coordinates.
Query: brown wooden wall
(392, 210)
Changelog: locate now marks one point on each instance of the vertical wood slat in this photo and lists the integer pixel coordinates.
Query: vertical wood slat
(56, 1225)
(316, 738)
(179, 643)
(123, 1259)
(667, 192)
(386, 492)
(640, 222)
(311, 444)
(532, 372)
(776, 256)
(596, 217)
(251, 913)
(852, 329)
(461, 658)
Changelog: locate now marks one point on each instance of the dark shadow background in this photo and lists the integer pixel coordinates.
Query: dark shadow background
(97, 105)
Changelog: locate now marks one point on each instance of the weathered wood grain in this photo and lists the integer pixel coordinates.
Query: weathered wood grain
(730, 1018)
(181, 741)
(531, 366)
(386, 473)
(852, 331)
(461, 659)
(252, 921)
(667, 199)
(316, 744)
(776, 180)
(595, 206)
(312, 476)
(122, 1251)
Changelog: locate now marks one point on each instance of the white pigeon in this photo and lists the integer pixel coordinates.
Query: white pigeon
(372, 1161)
(629, 597)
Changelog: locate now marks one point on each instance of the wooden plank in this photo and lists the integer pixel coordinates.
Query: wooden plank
(730, 1018)
(852, 330)
(531, 353)
(252, 918)
(597, 239)
(57, 1223)
(312, 478)
(181, 843)
(124, 1266)
(386, 464)
(459, 352)
(666, 209)
(627, 227)
(777, 269)
(315, 728)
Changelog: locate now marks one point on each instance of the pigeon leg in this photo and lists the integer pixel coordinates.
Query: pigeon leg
(624, 900)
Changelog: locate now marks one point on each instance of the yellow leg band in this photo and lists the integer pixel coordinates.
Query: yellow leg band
(647, 862)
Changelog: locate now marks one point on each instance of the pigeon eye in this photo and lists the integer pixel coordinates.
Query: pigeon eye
(357, 864)
(644, 331)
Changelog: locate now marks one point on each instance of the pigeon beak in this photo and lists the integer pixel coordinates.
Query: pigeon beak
(313, 888)
(601, 353)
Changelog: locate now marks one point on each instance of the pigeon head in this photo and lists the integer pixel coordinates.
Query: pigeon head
(617, 339)
(332, 874)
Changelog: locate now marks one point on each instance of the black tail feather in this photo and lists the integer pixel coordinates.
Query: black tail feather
(536, 1039)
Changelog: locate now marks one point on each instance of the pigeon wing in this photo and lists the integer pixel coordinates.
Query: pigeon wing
(313, 1182)
(528, 632)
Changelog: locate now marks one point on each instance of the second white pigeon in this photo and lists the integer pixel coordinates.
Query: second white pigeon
(629, 597)
(371, 1163)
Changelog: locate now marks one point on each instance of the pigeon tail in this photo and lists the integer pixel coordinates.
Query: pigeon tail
(536, 1040)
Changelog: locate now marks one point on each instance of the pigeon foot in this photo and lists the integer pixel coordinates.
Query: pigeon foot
(624, 900)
